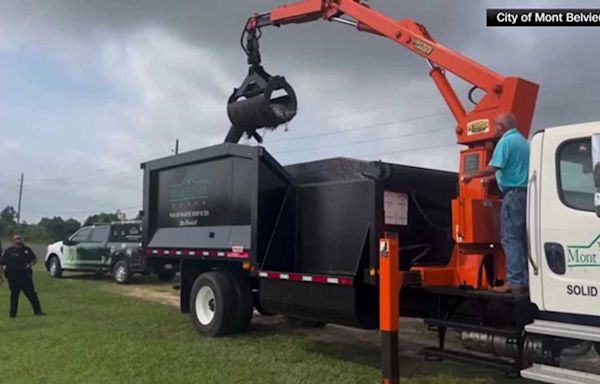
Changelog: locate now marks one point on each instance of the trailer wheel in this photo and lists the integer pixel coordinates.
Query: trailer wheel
(121, 272)
(54, 267)
(303, 323)
(213, 304)
(244, 300)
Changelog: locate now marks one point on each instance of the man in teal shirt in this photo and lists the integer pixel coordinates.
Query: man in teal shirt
(510, 166)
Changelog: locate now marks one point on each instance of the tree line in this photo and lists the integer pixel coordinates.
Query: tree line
(48, 229)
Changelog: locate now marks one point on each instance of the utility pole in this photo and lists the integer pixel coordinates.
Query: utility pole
(20, 197)
(176, 150)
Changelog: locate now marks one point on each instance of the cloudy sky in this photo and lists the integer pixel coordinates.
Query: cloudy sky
(91, 88)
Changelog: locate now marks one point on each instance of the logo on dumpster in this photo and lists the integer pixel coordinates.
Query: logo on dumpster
(188, 190)
(189, 202)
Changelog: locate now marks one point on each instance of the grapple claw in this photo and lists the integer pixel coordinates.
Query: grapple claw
(262, 101)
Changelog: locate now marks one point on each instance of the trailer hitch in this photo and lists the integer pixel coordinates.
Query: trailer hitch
(261, 101)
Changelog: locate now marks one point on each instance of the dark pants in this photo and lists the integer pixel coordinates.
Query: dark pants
(22, 281)
(514, 236)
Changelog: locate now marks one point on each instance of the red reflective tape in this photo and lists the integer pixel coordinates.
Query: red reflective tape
(237, 255)
(295, 277)
(190, 252)
(307, 278)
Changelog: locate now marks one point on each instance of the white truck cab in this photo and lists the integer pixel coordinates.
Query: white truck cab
(564, 230)
(564, 241)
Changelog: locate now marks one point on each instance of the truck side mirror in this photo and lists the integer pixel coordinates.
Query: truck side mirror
(70, 242)
(596, 167)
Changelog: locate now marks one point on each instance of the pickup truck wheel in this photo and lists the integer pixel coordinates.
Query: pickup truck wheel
(121, 272)
(54, 267)
(166, 275)
(213, 304)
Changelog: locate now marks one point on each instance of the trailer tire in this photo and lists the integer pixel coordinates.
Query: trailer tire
(297, 322)
(121, 272)
(213, 300)
(54, 267)
(166, 275)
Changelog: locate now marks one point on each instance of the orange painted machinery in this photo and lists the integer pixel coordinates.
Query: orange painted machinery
(477, 261)
(476, 211)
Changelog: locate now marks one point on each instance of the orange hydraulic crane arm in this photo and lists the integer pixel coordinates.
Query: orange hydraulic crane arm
(476, 210)
(475, 126)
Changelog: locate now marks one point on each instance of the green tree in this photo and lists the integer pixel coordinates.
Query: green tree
(56, 228)
(8, 221)
(33, 233)
(101, 218)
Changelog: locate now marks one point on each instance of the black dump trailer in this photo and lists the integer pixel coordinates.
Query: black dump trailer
(300, 240)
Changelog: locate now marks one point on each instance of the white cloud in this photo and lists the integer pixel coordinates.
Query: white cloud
(169, 68)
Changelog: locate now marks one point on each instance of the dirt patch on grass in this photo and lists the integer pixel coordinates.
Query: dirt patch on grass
(412, 330)
(147, 294)
(338, 342)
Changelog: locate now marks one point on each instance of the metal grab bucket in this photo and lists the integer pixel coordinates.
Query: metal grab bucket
(262, 101)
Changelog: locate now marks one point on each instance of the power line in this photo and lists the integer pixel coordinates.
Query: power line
(101, 170)
(407, 150)
(97, 183)
(296, 138)
(370, 126)
(367, 140)
(82, 212)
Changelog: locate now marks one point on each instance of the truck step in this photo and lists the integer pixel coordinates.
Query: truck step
(504, 331)
(556, 375)
(568, 330)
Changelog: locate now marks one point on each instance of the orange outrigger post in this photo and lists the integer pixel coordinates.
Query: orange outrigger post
(475, 213)
(390, 283)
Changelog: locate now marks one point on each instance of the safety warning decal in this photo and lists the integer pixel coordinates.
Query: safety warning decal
(478, 126)
(395, 207)
(422, 46)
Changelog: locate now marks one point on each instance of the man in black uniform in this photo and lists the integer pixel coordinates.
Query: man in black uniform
(17, 262)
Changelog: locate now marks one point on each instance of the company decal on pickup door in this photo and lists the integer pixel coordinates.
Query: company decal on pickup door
(584, 256)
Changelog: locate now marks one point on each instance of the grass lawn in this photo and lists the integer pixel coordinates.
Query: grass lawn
(94, 335)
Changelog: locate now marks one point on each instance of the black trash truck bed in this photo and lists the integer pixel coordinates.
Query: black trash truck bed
(304, 237)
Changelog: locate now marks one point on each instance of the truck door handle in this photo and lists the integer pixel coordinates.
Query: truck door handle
(555, 257)
(531, 196)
